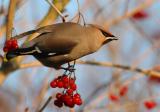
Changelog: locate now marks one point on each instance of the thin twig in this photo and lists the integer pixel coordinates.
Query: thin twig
(147, 51)
(101, 9)
(10, 18)
(126, 7)
(45, 104)
(93, 95)
(31, 64)
(96, 101)
(42, 92)
(56, 9)
(50, 16)
(147, 4)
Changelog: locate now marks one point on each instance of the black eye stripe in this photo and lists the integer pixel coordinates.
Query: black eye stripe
(107, 34)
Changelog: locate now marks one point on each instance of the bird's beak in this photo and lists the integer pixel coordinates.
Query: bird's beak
(109, 39)
(112, 38)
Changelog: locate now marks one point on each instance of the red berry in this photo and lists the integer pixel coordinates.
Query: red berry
(14, 42)
(60, 84)
(71, 81)
(65, 85)
(58, 96)
(11, 44)
(123, 90)
(150, 104)
(5, 49)
(77, 100)
(53, 84)
(77, 95)
(69, 102)
(140, 15)
(65, 97)
(8, 43)
(58, 103)
(73, 86)
(14, 46)
(70, 92)
(65, 79)
(113, 97)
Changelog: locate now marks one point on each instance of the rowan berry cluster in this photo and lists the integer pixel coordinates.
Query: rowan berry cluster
(69, 97)
(122, 92)
(149, 104)
(10, 45)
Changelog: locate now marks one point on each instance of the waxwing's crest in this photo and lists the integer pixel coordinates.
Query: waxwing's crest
(104, 32)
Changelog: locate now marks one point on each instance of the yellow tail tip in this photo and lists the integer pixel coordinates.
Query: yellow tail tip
(5, 60)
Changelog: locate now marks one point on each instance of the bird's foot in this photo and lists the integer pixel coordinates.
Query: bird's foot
(69, 68)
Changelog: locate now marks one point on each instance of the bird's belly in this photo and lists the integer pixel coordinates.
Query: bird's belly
(48, 63)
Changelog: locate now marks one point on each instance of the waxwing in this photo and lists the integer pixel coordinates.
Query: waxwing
(61, 43)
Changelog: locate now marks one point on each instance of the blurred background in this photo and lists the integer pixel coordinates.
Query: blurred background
(25, 84)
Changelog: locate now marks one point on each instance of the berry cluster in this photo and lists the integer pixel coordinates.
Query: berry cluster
(149, 104)
(69, 100)
(122, 92)
(64, 82)
(10, 45)
(69, 97)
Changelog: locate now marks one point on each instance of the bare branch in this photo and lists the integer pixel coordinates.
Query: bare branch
(106, 64)
(124, 67)
(10, 18)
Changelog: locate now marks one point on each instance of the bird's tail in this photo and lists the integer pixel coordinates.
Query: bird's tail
(19, 52)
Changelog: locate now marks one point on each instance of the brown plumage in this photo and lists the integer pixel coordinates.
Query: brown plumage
(63, 42)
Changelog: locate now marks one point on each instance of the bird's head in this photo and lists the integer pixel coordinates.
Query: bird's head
(108, 36)
(105, 35)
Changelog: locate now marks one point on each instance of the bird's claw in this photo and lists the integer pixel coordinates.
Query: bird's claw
(69, 68)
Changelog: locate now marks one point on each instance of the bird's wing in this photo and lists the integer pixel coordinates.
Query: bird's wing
(55, 27)
(60, 44)
(46, 29)
(58, 38)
